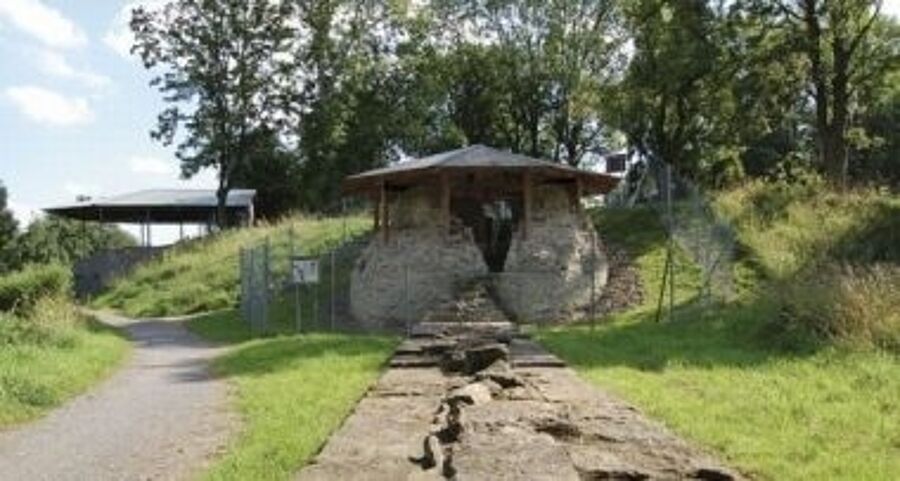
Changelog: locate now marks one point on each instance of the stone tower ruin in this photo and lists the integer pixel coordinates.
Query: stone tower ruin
(478, 214)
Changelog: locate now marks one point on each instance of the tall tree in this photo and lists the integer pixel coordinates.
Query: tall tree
(836, 39)
(671, 91)
(224, 74)
(8, 228)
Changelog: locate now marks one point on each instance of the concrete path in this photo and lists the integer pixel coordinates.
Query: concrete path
(161, 417)
(518, 419)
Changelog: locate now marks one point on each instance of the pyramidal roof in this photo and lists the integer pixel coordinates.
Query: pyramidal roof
(473, 157)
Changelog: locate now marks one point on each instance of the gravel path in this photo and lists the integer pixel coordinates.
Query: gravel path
(161, 417)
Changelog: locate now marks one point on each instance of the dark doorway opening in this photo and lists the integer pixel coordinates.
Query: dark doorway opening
(492, 223)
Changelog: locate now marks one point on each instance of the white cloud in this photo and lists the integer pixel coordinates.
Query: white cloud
(48, 107)
(119, 37)
(152, 166)
(54, 63)
(42, 22)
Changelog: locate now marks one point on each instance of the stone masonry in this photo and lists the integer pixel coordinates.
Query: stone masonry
(547, 276)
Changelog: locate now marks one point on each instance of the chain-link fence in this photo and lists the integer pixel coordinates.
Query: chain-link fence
(691, 222)
(273, 298)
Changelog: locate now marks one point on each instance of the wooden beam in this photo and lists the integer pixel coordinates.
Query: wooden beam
(445, 202)
(526, 203)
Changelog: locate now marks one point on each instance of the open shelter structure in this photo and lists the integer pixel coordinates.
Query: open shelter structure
(146, 208)
(478, 213)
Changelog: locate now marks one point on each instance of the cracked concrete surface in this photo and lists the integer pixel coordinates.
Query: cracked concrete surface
(525, 422)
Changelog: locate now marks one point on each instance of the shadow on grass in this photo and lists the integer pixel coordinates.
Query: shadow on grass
(738, 334)
(272, 355)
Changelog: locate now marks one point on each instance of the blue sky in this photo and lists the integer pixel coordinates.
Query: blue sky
(75, 110)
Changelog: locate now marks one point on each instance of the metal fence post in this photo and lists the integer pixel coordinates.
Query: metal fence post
(298, 308)
(593, 274)
(331, 308)
(265, 286)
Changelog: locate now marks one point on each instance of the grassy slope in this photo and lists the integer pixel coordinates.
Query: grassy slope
(775, 404)
(203, 276)
(292, 391)
(36, 377)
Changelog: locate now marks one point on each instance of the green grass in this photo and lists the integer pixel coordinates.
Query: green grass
(292, 392)
(203, 275)
(49, 356)
(774, 401)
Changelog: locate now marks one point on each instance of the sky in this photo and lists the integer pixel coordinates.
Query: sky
(76, 109)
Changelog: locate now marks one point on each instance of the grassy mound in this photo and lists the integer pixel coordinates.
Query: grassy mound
(49, 351)
(203, 275)
(748, 378)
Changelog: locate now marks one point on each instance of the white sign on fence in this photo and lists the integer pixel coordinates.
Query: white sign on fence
(304, 270)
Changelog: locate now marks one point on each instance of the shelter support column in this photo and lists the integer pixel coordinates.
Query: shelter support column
(579, 191)
(526, 203)
(385, 213)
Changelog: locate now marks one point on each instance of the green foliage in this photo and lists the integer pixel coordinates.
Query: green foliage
(220, 77)
(49, 355)
(8, 226)
(203, 275)
(856, 306)
(777, 402)
(22, 290)
(58, 240)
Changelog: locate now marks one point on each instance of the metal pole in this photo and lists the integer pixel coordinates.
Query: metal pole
(315, 290)
(671, 241)
(331, 309)
(265, 286)
(298, 315)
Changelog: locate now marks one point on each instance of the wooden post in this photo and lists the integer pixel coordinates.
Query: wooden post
(526, 203)
(578, 193)
(445, 202)
(376, 213)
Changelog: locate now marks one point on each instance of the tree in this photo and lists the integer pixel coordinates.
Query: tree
(55, 239)
(842, 60)
(672, 92)
(8, 227)
(225, 75)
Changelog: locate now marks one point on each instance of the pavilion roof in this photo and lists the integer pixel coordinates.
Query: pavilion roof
(160, 206)
(476, 158)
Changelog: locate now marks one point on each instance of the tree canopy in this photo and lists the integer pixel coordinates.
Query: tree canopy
(291, 96)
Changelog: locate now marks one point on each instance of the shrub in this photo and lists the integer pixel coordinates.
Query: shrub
(51, 321)
(21, 290)
(27, 286)
(855, 305)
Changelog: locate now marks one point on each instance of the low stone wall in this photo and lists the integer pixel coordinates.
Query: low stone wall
(549, 276)
(93, 274)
